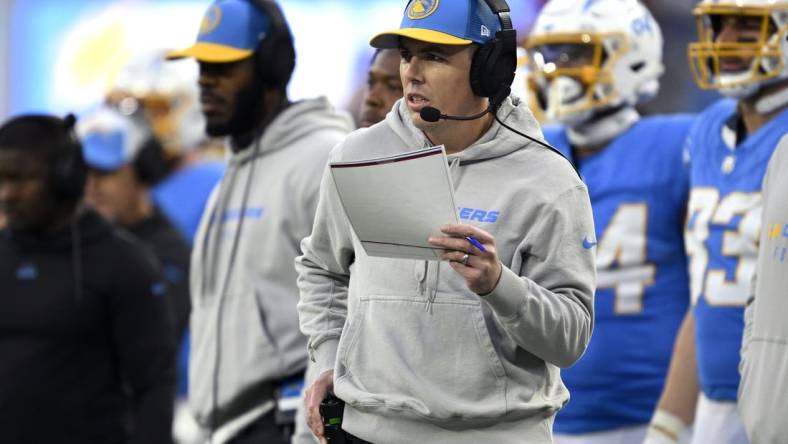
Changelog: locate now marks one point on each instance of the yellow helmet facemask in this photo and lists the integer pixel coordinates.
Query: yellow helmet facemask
(570, 74)
(739, 67)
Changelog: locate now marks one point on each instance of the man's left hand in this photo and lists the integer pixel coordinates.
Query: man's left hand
(481, 269)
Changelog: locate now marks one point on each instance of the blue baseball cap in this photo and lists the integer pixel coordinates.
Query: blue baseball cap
(109, 139)
(230, 31)
(447, 22)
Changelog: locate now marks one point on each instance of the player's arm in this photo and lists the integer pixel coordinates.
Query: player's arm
(676, 407)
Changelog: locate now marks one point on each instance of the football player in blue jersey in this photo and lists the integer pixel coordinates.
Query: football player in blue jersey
(742, 52)
(590, 64)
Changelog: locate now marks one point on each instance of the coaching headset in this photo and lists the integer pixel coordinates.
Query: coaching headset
(67, 168)
(150, 164)
(494, 63)
(275, 53)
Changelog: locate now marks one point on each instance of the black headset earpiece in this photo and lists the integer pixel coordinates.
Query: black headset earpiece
(275, 54)
(150, 164)
(67, 166)
(494, 63)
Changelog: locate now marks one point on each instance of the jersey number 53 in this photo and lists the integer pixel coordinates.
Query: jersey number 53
(719, 247)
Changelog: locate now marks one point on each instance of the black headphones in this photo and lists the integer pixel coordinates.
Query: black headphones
(150, 164)
(56, 140)
(67, 169)
(494, 63)
(275, 54)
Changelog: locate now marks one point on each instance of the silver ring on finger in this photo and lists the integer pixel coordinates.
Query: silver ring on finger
(465, 258)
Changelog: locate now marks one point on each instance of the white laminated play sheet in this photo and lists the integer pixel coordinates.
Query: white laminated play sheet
(396, 203)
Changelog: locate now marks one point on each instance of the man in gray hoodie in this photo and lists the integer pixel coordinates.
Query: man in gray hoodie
(245, 342)
(468, 349)
(764, 352)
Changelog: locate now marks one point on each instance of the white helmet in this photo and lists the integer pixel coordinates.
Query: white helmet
(765, 57)
(166, 94)
(591, 55)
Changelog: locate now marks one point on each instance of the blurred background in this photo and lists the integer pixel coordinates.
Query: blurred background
(63, 56)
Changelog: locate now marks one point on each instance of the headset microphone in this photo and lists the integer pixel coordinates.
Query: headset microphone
(430, 114)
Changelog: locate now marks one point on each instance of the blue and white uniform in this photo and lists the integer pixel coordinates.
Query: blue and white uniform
(638, 186)
(723, 225)
(183, 195)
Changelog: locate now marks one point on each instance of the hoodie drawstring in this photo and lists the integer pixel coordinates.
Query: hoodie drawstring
(210, 239)
(423, 287)
(423, 279)
(433, 290)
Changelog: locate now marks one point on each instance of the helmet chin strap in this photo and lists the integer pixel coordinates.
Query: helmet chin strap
(741, 91)
(768, 103)
(602, 127)
(764, 104)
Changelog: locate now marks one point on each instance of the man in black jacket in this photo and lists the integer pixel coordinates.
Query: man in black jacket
(124, 161)
(85, 338)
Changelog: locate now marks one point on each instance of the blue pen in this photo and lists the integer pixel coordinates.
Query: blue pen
(476, 243)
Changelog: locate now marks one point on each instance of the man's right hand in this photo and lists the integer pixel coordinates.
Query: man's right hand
(313, 396)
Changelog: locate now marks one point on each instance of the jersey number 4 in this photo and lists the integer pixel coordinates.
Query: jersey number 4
(738, 242)
(621, 258)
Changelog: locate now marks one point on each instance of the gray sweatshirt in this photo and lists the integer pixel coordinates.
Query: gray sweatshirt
(244, 324)
(764, 365)
(416, 355)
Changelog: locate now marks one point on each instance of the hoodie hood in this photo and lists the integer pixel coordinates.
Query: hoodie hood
(496, 142)
(294, 123)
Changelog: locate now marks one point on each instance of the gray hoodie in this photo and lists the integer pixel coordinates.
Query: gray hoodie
(416, 355)
(764, 353)
(244, 325)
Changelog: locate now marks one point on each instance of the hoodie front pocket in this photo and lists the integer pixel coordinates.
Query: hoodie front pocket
(243, 355)
(440, 364)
